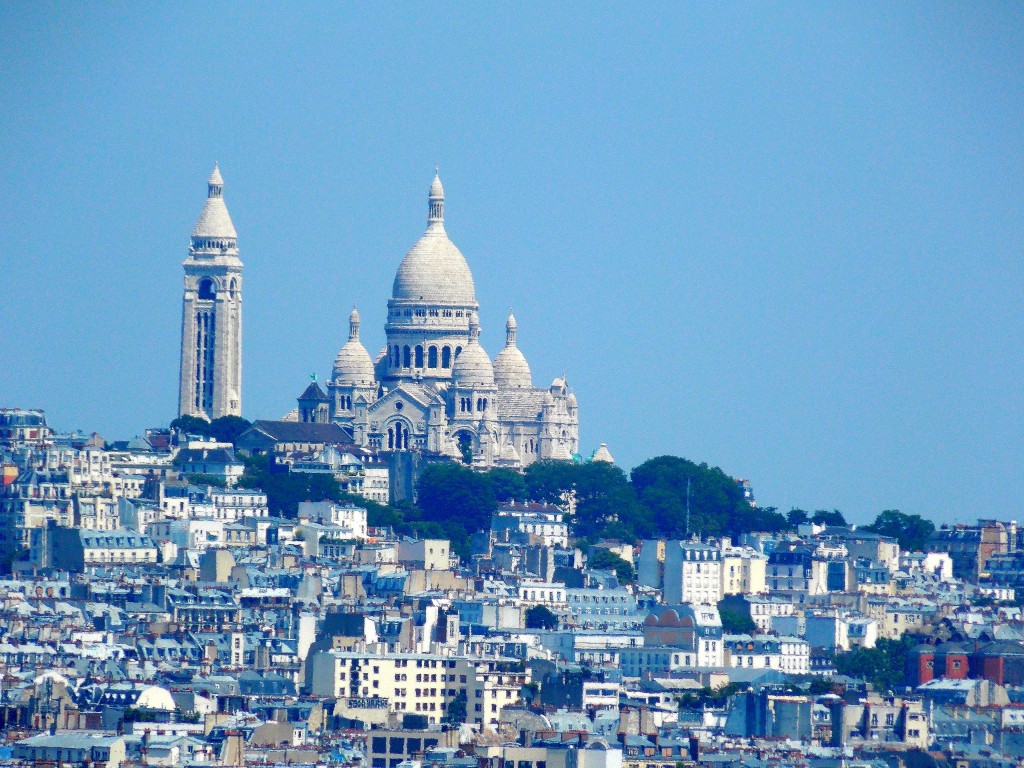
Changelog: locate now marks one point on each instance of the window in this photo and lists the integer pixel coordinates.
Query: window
(419, 355)
(432, 357)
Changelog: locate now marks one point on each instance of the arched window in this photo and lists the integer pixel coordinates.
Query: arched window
(391, 438)
(206, 289)
(419, 355)
(458, 351)
(406, 359)
(231, 288)
(398, 357)
(446, 357)
(432, 357)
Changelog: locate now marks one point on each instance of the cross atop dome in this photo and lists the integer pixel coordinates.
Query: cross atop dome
(435, 200)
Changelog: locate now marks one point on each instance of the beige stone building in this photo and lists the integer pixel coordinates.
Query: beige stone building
(419, 683)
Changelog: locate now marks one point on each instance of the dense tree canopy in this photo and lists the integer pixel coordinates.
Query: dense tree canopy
(459, 500)
(735, 621)
(911, 531)
(455, 501)
(605, 505)
(797, 517)
(224, 429)
(824, 517)
(665, 486)
(884, 666)
(508, 485)
(540, 617)
(286, 489)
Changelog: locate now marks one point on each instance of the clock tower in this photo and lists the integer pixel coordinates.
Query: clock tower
(211, 314)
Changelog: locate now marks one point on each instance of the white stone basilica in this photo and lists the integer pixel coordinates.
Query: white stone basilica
(433, 388)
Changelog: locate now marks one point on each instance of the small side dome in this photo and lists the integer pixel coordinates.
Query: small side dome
(510, 367)
(353, 366)
(603, 454)
(473, 367)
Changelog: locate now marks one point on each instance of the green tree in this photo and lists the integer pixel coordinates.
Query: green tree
(667, 485)
(797, 517)
(734, 620)
(549, 480)
(820, 686)
(458, 499)
(192, 425)
(227, 429)
(884, 666)
(911, 531)
(607, 560)
(540, 617)
(601, 492)
(767, 519)
(507, 484)
(286, 489)
(214, 480)
(824, 517)
(455, 713)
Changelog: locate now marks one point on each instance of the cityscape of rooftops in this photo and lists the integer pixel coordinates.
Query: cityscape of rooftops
(492, 386)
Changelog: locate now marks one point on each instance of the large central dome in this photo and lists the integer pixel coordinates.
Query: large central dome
(434, 270)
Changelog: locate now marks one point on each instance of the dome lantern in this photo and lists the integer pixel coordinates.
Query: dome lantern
(215, 185)
(435, 201)
(353, 325)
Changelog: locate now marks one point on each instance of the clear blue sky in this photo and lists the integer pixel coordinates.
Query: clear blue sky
(783, 238)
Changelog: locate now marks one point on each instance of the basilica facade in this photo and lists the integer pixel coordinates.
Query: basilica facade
(432, 387)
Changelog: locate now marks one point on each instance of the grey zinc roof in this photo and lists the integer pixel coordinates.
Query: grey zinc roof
(520, 404)
(301, 432)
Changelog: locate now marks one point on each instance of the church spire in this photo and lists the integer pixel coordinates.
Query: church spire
(436, 201)
(353, 325)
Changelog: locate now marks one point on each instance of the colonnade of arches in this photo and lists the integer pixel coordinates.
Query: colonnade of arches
(418, 356)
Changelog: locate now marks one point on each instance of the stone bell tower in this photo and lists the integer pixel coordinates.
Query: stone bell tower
(211, 314)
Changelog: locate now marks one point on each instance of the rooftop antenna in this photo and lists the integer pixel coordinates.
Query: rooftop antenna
(687, 506)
